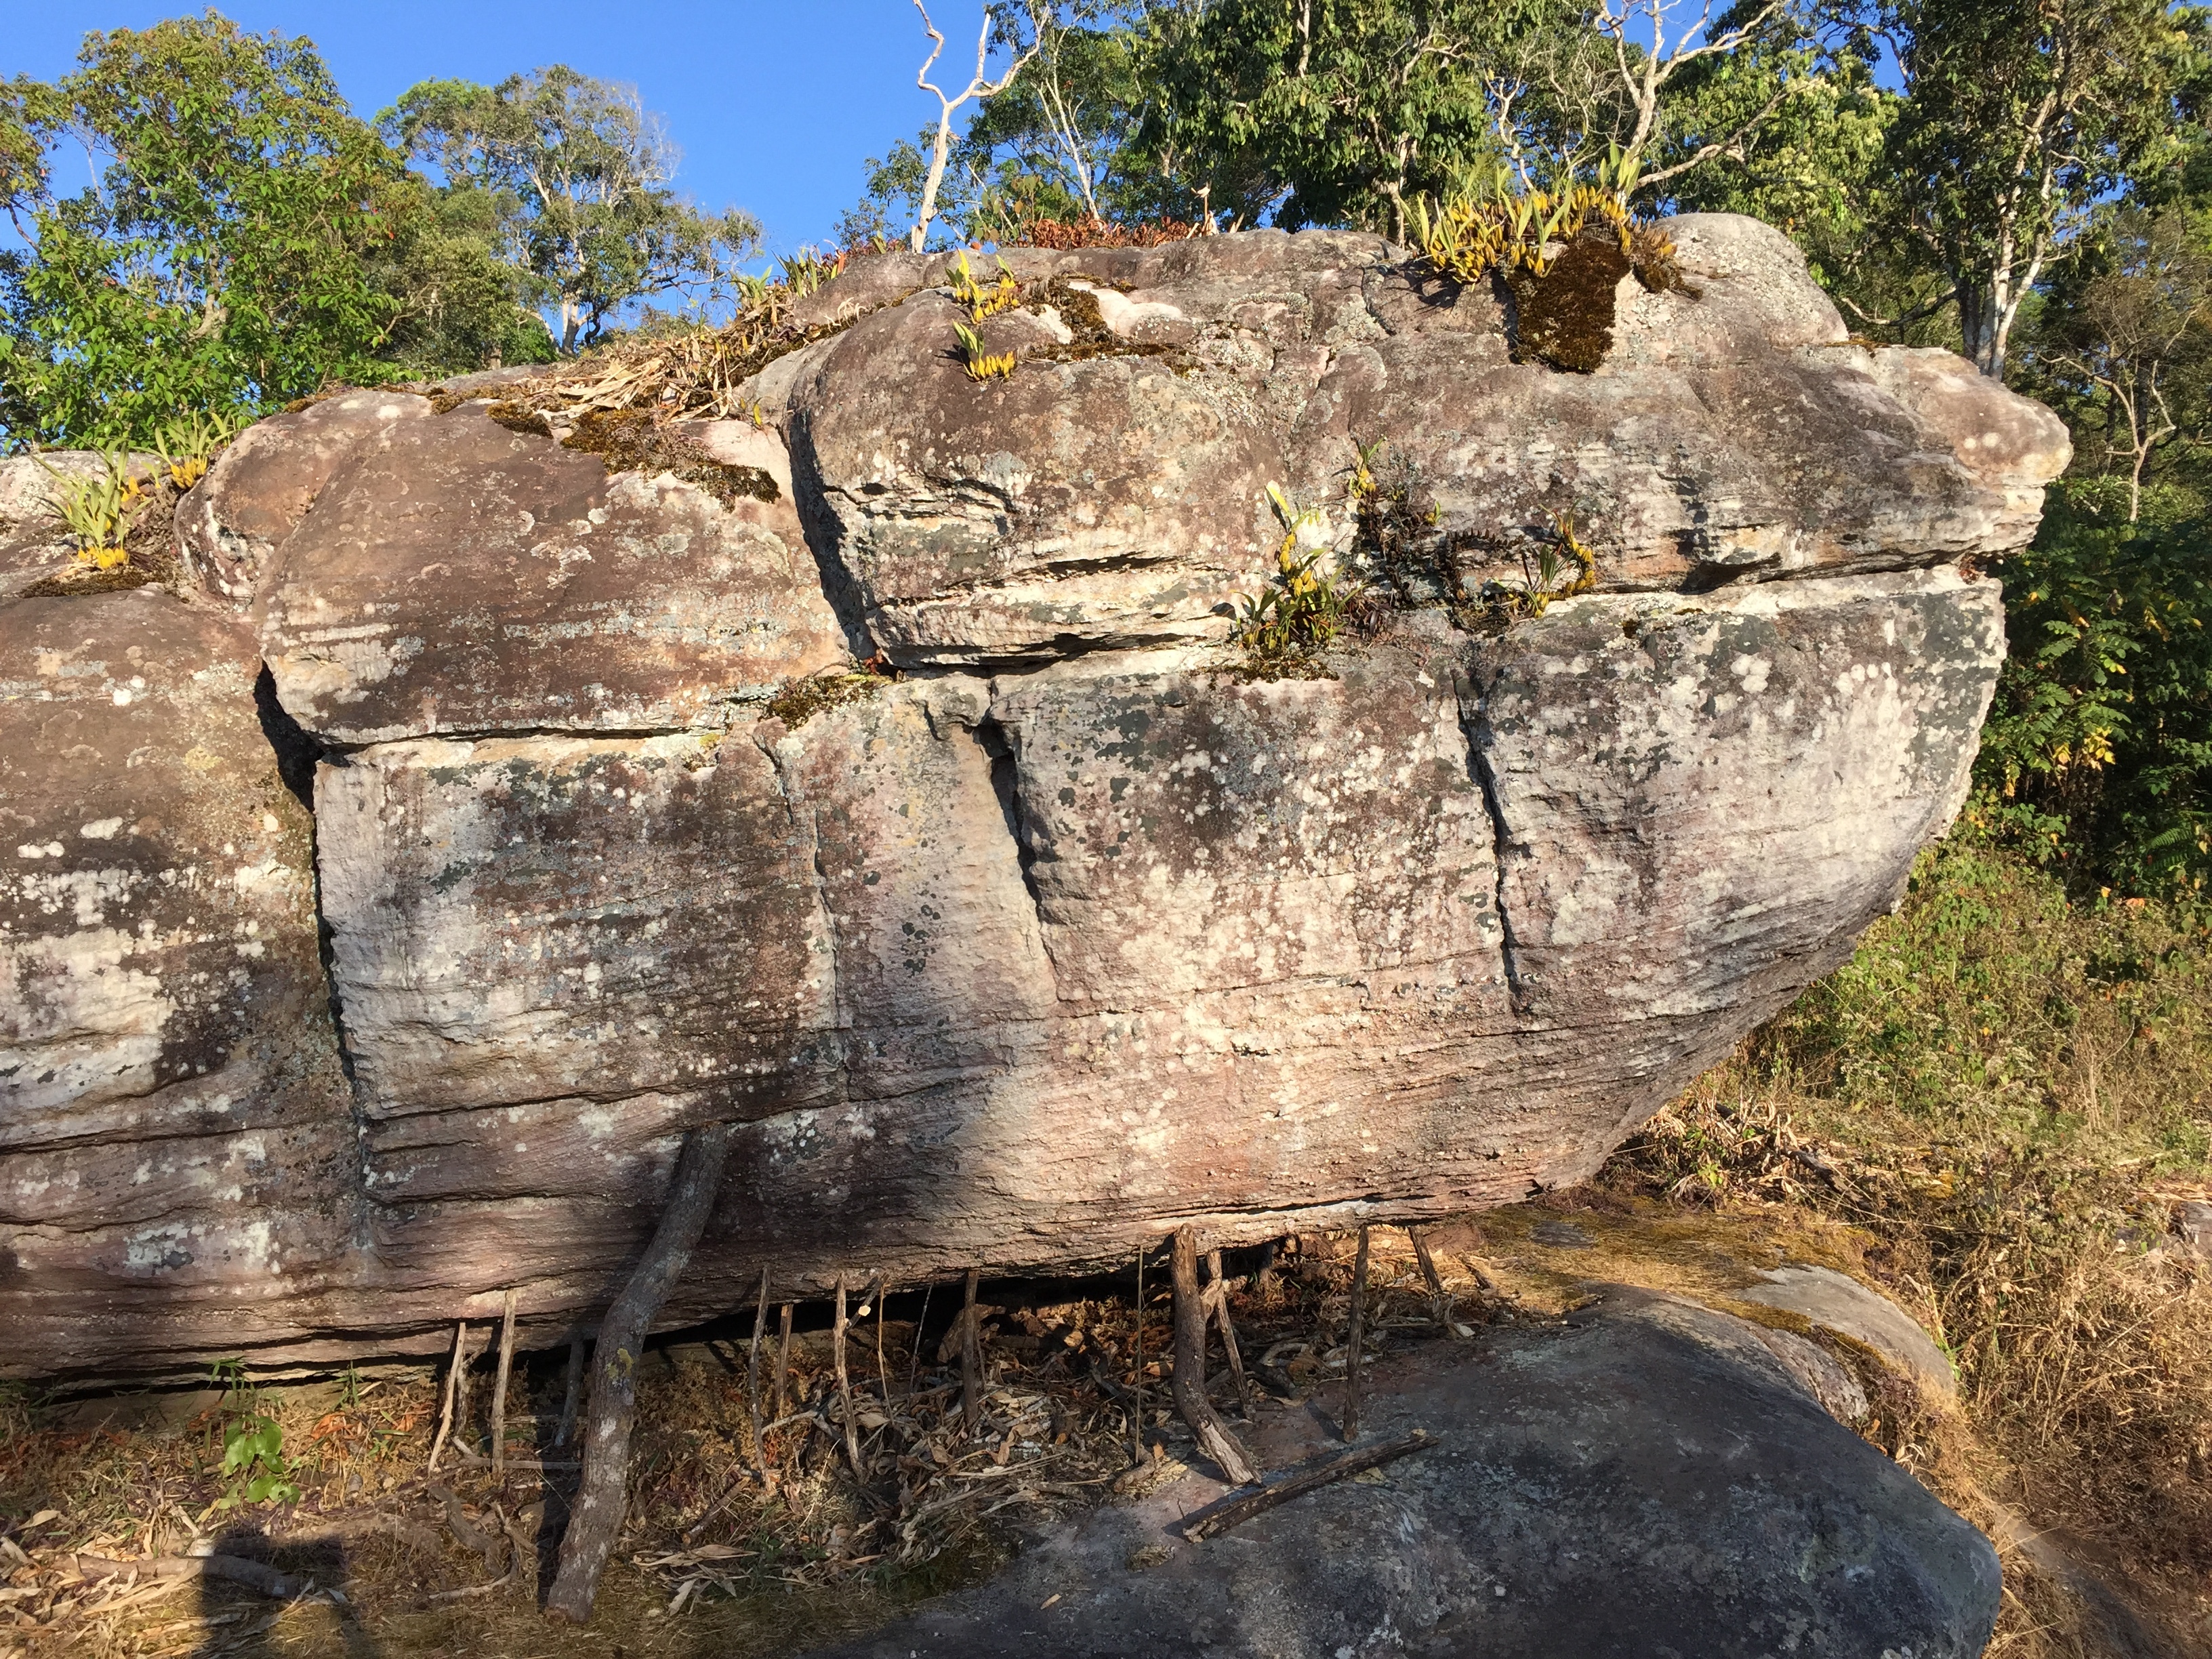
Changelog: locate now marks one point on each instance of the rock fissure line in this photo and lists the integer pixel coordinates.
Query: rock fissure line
(1472, 726)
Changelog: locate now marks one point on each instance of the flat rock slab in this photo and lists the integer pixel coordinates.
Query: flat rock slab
(1645, 1478)
(1844, 1305)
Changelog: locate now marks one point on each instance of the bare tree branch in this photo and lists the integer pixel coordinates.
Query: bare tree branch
(980, 86)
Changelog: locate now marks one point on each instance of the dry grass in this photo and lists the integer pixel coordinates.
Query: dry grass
(713, 1559)
(2004, 1095)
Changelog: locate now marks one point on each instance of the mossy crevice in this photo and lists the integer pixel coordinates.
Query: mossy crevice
(1079, 313)
(637, 440)
(1563, 317)
(802, 699)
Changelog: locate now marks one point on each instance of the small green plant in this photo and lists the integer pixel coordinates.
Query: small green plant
(982, 363)
(188, 446)
(97, 508)
(802, 272)
(254, 1461)
(1541, 583)
(983, 303)
(1283, 629)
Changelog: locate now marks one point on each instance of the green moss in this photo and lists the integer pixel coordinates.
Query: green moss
(519, 416)
(802, 699)
(638, 440)
(1564, 318)
(1078, 311)
(69, 584)
(635, 441)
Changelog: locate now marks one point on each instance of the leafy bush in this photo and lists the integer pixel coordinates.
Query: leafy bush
(2097, 757)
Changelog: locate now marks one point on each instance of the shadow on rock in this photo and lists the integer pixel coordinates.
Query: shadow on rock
(1643, 1478)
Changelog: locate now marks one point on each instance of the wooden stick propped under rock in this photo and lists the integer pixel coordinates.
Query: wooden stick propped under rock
(499, 1386)
(572, 1391)
(1217, 1299)
(845, 1384)
(782, 1361)
(612, 1410)
(971, 1358)
(1356, 1340)
(752, 1383)
(1190, 1322)
(445, 1402)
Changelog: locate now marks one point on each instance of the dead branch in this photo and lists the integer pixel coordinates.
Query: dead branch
(1137, 1378)
(845, 1384)
(752, 1381)
(612, 1408)
(1190, 1321)
(980, 85)
(573, 1392)
(1216, 1296)
(445, 1402)
(971, 1358)
(1238, 1510)
(499, 1386)
(782, 1359)
(1356, 1340)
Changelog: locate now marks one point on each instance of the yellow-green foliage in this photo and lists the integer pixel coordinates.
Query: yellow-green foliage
(188, 446)
(982, 303)
(1540, 576)
(1003, 294)
(97, 508)
(982, 363)
(1282, 630)
(1490, 226)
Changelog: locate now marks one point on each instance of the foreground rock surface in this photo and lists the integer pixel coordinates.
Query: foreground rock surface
(1648, 1480)
(1069, 936)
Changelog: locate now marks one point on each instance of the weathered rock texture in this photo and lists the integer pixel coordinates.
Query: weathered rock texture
(1071, 935)
(1648, 1481)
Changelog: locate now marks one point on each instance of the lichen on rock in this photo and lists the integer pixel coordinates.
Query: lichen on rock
(1062, 938)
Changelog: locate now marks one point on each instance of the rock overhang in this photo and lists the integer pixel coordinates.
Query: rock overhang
(1074, 933)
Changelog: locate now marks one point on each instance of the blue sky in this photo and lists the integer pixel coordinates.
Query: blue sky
(777, 105)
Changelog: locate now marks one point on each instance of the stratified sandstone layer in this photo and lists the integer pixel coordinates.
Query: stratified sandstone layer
(1070, 935)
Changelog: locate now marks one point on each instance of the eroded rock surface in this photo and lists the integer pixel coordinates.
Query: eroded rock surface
(1071, 935)
(1650, 1481)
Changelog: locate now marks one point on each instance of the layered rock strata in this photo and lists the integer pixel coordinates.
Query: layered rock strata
(1072, 932)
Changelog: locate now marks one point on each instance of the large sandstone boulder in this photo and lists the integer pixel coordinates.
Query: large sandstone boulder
(1070, 934)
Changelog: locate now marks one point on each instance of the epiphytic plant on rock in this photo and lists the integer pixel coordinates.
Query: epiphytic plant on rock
(1283, 629)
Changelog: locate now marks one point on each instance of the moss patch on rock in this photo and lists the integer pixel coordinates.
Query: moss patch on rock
(802, 699)
(637, 440)
(1078, 311)
(1564, 318)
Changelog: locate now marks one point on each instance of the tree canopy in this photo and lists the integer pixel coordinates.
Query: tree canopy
(249, 239)
(570, 174)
